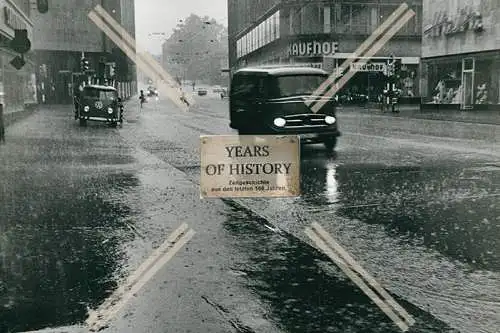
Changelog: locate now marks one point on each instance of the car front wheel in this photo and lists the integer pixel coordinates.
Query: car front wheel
(83, 122)
(330, 143)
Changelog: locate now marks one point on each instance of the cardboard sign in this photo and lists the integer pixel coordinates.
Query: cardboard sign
(250, 166)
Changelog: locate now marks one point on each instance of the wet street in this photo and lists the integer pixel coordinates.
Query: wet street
(415, 201)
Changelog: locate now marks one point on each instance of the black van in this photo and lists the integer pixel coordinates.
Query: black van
(271, 100)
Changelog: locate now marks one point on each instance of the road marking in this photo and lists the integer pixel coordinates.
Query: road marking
(101, 318)
(336, 86)
(355, 272)
(143, 61)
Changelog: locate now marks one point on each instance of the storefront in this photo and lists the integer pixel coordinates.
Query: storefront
(461, 55)
(369, 78)
(17, 87)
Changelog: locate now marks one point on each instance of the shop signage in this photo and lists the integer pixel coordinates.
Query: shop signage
(372, 67)
(466, 19)
(12, 19)
(312, 48)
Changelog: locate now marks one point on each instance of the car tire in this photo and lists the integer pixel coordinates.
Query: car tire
(330, 143)
(83, 122)
(114, 124)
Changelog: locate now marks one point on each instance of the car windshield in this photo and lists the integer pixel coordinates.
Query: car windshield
(293, 85)
(100, 94)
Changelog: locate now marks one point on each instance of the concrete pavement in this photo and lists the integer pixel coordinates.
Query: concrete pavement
(416, 112)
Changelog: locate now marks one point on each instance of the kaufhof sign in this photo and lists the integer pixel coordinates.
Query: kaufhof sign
(371, 67)
(312, 48)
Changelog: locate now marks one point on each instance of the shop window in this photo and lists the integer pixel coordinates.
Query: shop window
(485, 82)
(445, 83)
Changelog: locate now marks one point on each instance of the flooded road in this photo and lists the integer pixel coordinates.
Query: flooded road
(82, 207)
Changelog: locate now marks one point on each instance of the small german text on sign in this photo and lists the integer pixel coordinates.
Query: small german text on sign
(250, 166)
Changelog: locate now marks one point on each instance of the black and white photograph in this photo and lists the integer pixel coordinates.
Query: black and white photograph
(250, 166)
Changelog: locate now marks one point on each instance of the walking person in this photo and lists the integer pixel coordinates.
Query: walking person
(142, 98)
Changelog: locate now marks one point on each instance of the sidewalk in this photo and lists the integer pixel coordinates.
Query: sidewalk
(414, 111)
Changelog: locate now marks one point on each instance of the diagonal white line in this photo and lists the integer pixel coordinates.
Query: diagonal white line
(356, 280)
(169, 92)
(145, 56)
(101, 317)
(377, 46)
(361, 271)
(369, 41)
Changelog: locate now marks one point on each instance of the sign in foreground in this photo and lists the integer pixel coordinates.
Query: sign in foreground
(250, 166)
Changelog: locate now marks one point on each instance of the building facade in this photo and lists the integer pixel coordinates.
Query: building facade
(461, 54)
(323, 34)
(17, 86)
(66, 32)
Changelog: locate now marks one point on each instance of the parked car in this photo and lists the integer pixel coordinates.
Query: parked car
(202, 91)
(216, 89)
(99, 103)
(271, 100)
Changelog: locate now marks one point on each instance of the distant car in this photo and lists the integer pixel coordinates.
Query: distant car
(99, 103)
(152, 91)
(202, 91)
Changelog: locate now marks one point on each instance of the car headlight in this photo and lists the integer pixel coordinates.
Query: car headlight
(86, 108)
(110, 110)
(279, 122)
(330, 120)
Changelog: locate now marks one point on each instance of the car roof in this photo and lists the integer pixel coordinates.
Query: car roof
(281, 70)
(100, 87)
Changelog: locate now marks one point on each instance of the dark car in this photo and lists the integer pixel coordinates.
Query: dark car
(202, 91)
(152, 91)
(99, 103)
(271, 100)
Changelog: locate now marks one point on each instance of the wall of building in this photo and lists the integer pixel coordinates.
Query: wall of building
(64, 32)
(440, 37)
(66, 27)
(345, 24)
(17, 86)
(461, 53)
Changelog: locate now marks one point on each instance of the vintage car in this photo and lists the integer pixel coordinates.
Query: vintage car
(271, 100)
(99, 103)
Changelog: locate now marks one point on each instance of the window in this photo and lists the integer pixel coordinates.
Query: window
(277, 25)
(293, 85)
(327, 28)
(360, 19)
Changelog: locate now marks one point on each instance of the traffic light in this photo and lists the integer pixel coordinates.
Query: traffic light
(20, 43)
(42, 6)
(84, 65)
(397, 66)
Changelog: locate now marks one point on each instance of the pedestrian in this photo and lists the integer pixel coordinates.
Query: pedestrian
(142, 98)
(2, 125)
(183, 98)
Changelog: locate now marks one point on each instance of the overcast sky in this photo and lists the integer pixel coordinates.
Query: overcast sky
(153, 16)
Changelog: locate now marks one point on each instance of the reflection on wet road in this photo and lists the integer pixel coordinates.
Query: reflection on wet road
(62, 227)
(291, 279)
